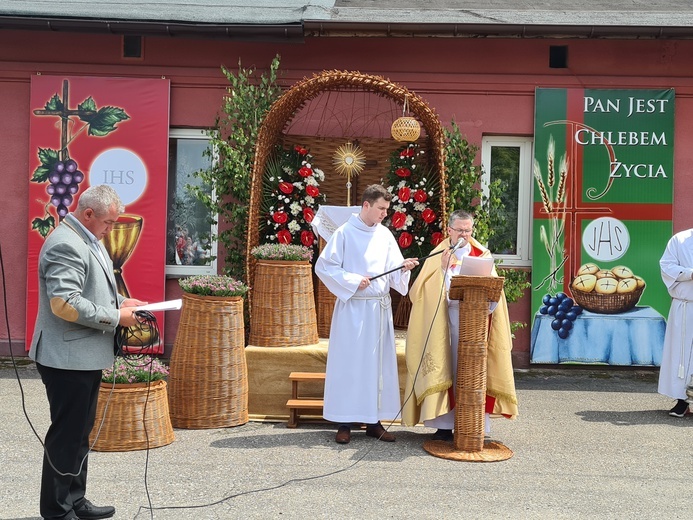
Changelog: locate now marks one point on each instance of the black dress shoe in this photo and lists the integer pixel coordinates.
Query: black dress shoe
(376, 430)
(442, 435)
(680, 409)
(69, 516)
(88, 511)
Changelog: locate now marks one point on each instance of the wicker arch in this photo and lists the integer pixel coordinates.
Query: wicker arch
(284, 109)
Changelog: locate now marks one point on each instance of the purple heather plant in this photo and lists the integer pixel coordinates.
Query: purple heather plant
(135, 369)
(213, 285)
(290, 252)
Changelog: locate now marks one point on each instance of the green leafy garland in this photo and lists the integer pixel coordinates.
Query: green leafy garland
(226, 185)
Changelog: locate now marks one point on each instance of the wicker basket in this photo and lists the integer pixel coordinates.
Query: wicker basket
(208, 376)
(406, 129)
(283, 308)
(607, 303)
(123, 428)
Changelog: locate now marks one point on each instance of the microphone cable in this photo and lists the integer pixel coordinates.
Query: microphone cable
(331, 473)
(146, 320)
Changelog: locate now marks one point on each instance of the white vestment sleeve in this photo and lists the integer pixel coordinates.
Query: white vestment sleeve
(330, 271)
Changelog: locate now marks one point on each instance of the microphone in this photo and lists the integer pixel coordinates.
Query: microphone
(459, 244)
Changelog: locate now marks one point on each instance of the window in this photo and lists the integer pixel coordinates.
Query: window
(510, 160)
(188, 247)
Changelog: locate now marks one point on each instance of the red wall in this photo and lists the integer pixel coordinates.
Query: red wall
(487, 85)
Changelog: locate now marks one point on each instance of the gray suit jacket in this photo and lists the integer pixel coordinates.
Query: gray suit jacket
(78, 302)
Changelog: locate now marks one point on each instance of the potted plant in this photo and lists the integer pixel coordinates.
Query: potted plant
(283, 252)
(208, 381)
(283, 304)
(132, 411)
(220, 286)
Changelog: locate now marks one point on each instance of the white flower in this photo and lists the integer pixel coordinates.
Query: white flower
(390, 188)
(295, 208)
(319, 174)
(294, 226)
(287, 199)
(402, 184)
(309, 200)
(298, 185)
(271, 179)
(398, 207)
(311, 181)
(419, 206)
(413, 166)
(410, 220)
(308, 165)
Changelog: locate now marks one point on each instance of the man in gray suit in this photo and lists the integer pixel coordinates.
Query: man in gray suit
(79, 309)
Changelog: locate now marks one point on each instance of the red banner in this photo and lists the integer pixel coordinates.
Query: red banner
(87, 131)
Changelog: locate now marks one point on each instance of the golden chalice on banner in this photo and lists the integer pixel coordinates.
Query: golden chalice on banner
(120, 243)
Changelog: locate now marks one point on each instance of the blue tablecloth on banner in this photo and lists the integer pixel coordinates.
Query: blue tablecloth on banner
(634, 337)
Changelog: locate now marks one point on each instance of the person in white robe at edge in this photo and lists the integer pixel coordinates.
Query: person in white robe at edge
(676, 370)
(361, 379)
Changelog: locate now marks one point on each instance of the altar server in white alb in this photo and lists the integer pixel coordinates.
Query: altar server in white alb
(361, 381)
(677, 363)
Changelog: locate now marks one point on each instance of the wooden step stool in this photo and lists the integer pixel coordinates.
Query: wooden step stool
(296, 402)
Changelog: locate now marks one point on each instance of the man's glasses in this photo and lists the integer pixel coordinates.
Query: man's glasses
(462, 231)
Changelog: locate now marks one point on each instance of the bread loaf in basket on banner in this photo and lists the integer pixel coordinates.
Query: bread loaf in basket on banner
(607, 291)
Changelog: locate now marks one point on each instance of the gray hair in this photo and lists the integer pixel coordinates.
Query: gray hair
(100, 198)
(459, 215)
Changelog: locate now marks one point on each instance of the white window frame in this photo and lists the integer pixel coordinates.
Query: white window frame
(178, 271)
(523, 258)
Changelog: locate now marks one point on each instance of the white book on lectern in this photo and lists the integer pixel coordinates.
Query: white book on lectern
(476, 266)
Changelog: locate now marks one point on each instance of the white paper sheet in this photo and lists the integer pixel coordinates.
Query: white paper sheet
(476, 266)
(170, 305)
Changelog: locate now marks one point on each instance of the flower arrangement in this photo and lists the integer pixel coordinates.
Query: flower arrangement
(290, 252)
(415, 218)
(213, 285)
(291, 195)
(134, 369)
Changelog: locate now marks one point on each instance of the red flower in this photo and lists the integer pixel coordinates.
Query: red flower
(404, 194)
(308, 214)
(313, 191)
(436, 238)
(300, 150)
(399, 219)
(405, 240)
(307, 238)
(280, 217)
(403, 172)
(407, 152)
(284, 237)
(286, 187)
(428, 215)
(305, 172)
(420, 196)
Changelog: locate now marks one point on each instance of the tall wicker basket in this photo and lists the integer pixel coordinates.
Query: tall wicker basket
(208, 376)
(283, 310)
(136, 417)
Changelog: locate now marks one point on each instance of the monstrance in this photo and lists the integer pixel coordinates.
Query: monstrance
(349, 160)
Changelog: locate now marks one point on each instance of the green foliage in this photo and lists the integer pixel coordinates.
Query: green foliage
(465, 188)
(226, 185)
(516, 281)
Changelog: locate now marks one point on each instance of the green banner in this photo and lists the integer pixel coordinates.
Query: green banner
(603, 190)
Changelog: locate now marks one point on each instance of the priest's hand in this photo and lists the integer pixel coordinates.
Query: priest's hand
(365, 282)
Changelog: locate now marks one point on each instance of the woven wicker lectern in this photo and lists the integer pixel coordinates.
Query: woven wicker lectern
(474, 294)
